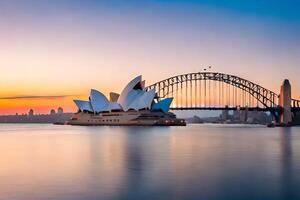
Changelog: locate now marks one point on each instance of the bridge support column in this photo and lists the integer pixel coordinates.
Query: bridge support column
(285, 103)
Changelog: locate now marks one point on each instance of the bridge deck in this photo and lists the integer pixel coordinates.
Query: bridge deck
(294, 109)
(224, 108)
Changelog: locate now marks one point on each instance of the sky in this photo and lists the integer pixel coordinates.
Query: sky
(53, 51)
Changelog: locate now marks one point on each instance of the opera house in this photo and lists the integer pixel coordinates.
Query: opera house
(133, 106)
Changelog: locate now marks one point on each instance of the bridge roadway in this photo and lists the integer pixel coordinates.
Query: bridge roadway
(234, 108)
(224, 108)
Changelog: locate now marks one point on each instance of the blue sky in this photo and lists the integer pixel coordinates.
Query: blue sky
(66, 47)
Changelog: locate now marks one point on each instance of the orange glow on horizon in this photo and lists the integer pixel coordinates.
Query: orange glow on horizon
(44, 105)
(39, 105)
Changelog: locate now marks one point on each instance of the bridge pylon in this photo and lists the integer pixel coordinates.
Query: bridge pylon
(285, 103)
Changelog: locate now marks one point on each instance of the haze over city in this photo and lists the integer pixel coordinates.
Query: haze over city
(55, 51)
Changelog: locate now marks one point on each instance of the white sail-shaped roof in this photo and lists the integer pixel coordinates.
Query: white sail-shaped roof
(143, 101)
(84, 105)
(114, 106)
(163, 105)
(146, 100)
(133, 96)
(98, 101)
(135, 102)
(128, 94)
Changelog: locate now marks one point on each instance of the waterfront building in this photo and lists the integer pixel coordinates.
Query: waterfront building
(135, 105)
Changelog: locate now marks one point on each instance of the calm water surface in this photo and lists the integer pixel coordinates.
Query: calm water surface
(193, 162)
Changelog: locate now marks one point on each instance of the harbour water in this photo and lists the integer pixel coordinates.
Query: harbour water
(42, 161)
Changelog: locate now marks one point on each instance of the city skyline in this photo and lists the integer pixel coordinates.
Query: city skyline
(52, 52)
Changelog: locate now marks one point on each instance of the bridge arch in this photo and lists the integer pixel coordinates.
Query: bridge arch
(191, 83)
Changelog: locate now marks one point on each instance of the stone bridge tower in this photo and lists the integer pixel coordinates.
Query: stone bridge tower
(285, 102)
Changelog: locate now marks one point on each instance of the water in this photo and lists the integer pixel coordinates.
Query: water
(193, 162)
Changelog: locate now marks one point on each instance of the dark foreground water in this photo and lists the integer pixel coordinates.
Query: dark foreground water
(149, 163)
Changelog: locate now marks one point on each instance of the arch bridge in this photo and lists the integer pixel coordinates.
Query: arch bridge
(219, 91)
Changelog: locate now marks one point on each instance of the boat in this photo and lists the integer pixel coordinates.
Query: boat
(134, 106)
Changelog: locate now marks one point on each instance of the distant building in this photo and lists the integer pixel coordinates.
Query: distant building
(52, 112)
(30, 113)
(236, 115)
(194, 120)
(224, 115)
(37, 118)
(60, 110)
(244, 115)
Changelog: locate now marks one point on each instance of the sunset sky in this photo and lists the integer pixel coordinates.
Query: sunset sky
(52, 51)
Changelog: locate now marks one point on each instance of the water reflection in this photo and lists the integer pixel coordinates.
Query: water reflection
(107, 168)
(194, 162)
(286, 163)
